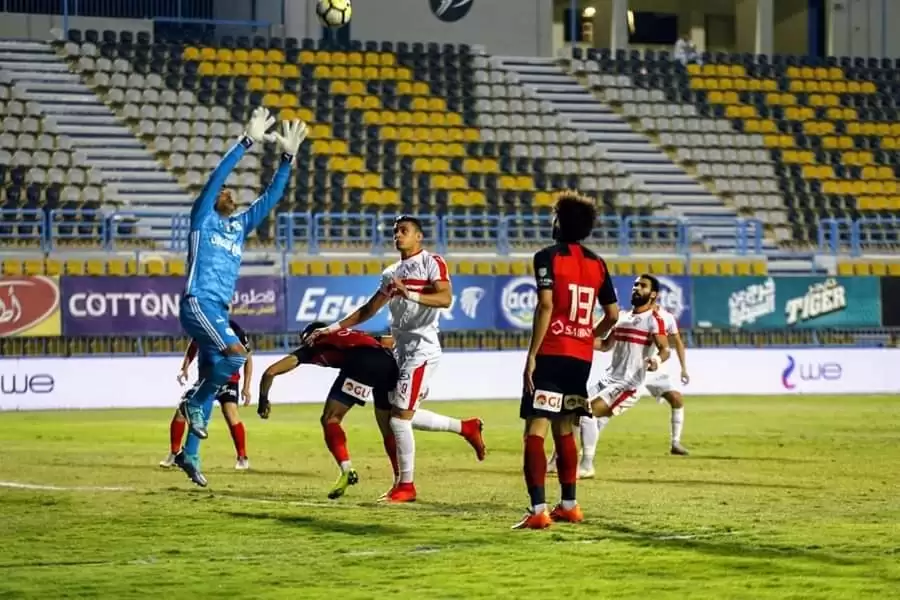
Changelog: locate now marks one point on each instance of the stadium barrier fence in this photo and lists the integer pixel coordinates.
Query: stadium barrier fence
(43, 383)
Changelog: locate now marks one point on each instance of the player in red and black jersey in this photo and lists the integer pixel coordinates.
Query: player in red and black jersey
(368, 371)
(227, 396)
(571, 280)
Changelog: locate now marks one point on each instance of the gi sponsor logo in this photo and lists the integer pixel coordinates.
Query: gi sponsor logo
(26, 302)
(357, 390)
(547, 401)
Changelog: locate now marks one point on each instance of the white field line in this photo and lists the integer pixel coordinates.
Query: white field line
(61, 488)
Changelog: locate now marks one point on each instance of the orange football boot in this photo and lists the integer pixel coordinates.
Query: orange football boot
(568, 515)
(533, 520)
(471, 430)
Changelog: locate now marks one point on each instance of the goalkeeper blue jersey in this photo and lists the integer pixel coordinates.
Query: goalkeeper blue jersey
(216, 243)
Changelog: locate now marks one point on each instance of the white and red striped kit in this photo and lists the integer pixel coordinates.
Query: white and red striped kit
(633, 338)
(415, 327)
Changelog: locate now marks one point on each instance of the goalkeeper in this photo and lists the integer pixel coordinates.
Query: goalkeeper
(216, 243)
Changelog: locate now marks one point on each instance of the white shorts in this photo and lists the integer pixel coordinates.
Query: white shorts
(617, 395)
(412, 386)
(660, 384)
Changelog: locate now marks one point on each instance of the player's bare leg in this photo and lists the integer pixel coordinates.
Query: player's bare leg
(401, 426)
(567, 470)
(336, 439)
(177, 427)
(238, 434)
(676, 401)
(469, 429)
(383, 418)
(535, 469)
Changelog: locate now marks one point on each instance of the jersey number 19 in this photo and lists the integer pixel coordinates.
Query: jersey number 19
(581, 304)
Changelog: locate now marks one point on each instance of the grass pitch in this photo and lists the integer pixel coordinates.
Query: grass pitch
(782, 498)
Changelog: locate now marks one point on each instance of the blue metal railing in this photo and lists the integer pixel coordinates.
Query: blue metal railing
(853, 237)
(372, 233)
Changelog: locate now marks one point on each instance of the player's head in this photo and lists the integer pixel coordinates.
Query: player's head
(226, 203)
(645, 290)
(310, 328)
(408, 234)
(573, 217)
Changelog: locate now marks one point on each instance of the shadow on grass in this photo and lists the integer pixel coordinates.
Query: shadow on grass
(711, 482)
(320, 524)
(724, 546)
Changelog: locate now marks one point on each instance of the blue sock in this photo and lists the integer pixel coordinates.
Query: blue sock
(192, 445)
(219, 371)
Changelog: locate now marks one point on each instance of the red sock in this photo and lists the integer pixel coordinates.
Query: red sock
(566, 464)
(239, 435)
(390, 447)
(535, 467)
(336, 440)
(176, 434)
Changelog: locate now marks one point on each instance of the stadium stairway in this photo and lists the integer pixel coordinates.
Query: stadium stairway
(133, 174)
(654, 170)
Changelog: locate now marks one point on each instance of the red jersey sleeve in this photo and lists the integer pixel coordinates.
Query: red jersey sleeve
(606, 295)
(437, 269)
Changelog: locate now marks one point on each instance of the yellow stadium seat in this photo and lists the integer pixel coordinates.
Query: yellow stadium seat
(879, 268)
(675, 266)
(275, 55)
(465, 267)
(33, 266)
(484, 268)
(115, 266)
(258, 56)
(726, 267)
(75, 266)
(502, 268)
(862, 268)
(13, 266)
(759, 267)
(373, 267)
(845, 269)
(95, 266)
(208, 54)
(240, 69)
(318, 268)
(893, 268)
(207, 69)
(175, 266)
(356, 267)
(191, 53)
(223, 69)
(224, 55)
(53, 267)
(298, 267)
(519, 268)
(154, 267)
(337, 267)
(742, 268)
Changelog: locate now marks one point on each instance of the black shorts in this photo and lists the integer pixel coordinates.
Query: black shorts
(369, 374)
(228, 393)
(560, 388)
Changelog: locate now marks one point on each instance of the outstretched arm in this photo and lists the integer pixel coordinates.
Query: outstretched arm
(206, 201)
(285, 365)
(262, 206)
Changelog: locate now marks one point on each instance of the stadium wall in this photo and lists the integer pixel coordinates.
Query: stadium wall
(504, 27)
(81, 383)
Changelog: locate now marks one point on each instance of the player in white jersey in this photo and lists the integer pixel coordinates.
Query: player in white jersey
(639, 345)
(416, 289)
(663, 387)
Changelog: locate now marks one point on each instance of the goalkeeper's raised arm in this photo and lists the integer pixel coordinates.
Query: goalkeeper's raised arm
(212, 197)
(292, 135)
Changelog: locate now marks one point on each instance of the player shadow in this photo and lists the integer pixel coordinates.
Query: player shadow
(725, 547)
(322, 525)
(712, 482)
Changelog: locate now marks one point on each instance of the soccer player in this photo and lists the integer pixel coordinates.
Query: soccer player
(660, 385)
(368, 371)
(227, 397)
(570, 280)
(217, 235)
(639, 345)
(415, 288)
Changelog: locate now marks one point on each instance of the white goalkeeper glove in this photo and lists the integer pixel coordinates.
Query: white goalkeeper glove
(259, 124)
(292, 135)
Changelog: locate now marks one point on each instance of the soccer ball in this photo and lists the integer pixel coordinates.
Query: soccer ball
(334, 13)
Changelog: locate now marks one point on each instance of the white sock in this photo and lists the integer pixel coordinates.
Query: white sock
(677, 424)
(431, 421)
(569, 504)
(406, 448)
(539, 508)
(589, 437)
(346, 466)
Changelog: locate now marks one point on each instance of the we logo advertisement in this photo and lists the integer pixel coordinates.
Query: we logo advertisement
(30, 307)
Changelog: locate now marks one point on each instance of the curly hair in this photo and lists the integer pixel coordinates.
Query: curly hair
(575, 217)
